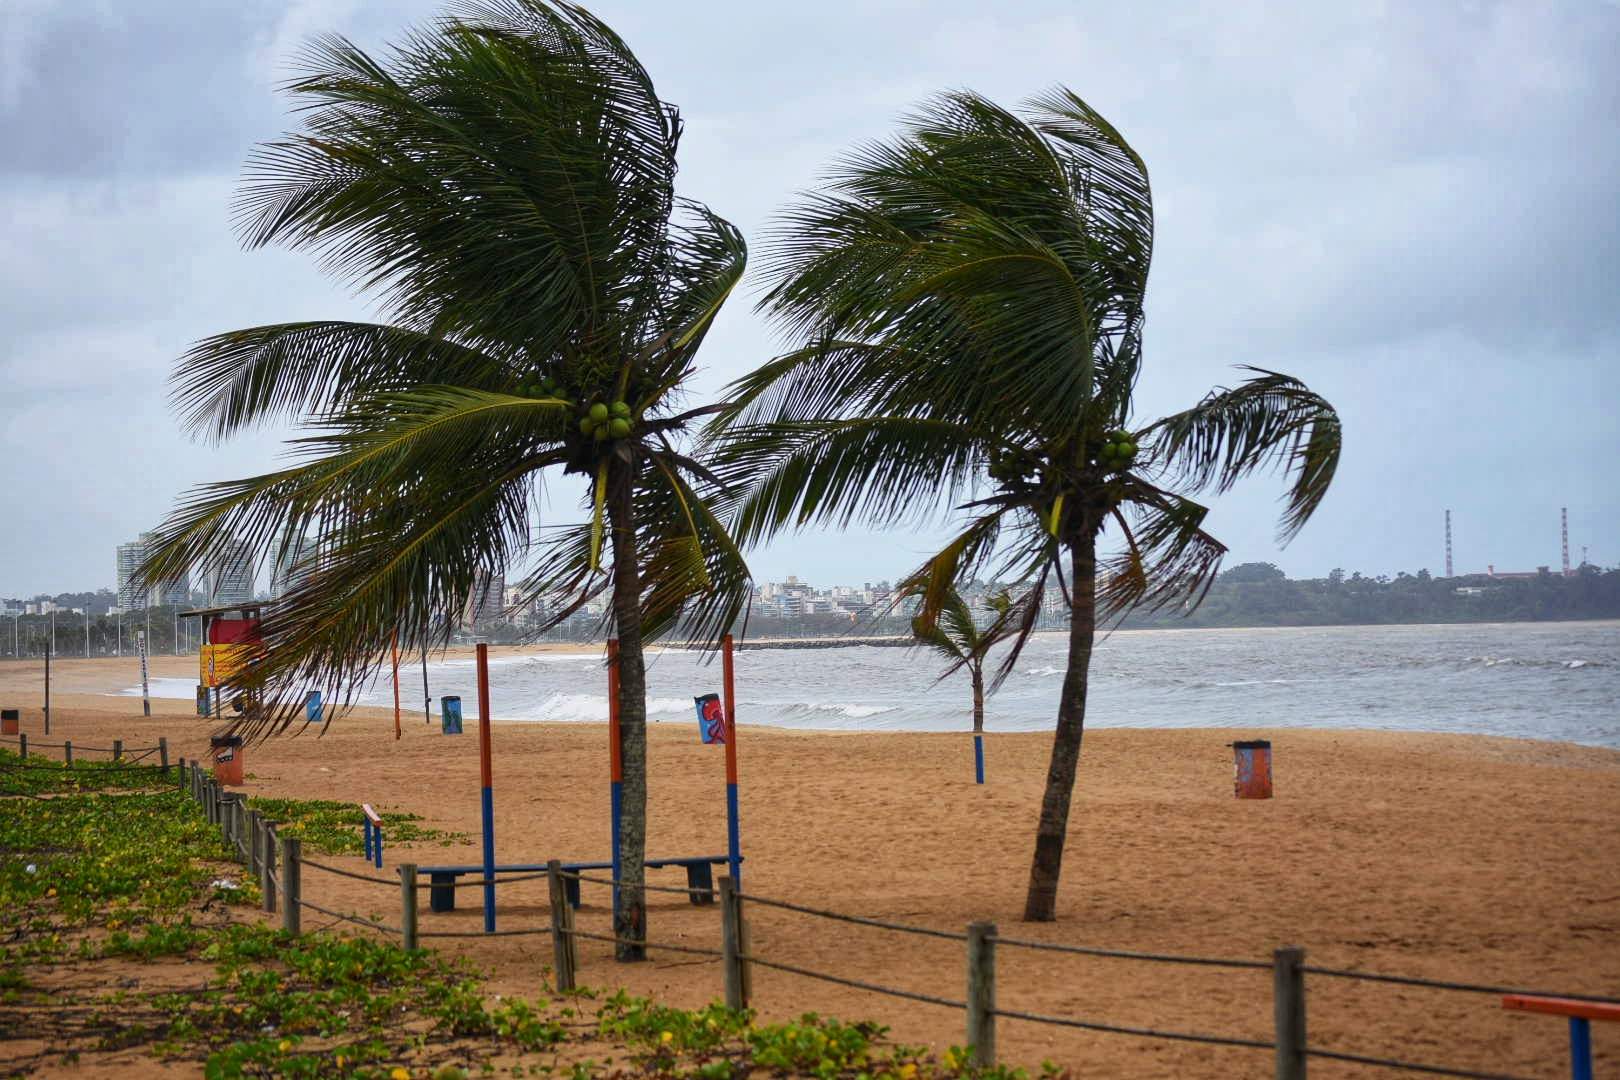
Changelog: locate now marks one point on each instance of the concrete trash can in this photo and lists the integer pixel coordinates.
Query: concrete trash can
(1251, 767)
(227, 754)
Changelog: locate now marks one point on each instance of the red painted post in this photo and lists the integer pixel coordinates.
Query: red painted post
(393, 645)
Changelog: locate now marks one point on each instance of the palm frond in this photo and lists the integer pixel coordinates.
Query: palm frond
(1270, 421)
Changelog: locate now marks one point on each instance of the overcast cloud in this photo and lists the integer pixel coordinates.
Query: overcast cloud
(1414, 207)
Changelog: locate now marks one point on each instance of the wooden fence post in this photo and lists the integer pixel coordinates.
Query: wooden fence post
(290, 873)
(407, 904)
(22, 745)
(163, 754)
(67, 751)
(253, 842)
(118, 749)
(733, 945)
(564, 951)
(981, 992)
(267, 867)
(180, 774)
(1288, 1000)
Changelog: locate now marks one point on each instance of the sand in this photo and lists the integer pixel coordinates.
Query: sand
(1453, 857)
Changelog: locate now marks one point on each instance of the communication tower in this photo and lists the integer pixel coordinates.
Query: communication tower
(1563, 515)
(1448, 543)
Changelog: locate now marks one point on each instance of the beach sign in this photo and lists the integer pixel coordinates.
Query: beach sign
(711, 719)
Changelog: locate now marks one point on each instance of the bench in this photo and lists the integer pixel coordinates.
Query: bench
(442, 888)
(1580, 1015)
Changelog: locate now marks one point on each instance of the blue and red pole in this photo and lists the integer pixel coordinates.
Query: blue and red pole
(733, 828)
(487, 788)
(615, 764)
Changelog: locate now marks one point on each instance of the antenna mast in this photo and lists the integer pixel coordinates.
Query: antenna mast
(1448, 543)
(1563, 515)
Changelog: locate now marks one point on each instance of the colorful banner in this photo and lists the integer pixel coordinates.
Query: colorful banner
(711, 719)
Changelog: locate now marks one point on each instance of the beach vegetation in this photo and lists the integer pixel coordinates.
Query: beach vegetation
(965, 304)
(502, 183)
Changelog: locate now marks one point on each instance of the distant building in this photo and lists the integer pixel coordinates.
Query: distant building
(230, 575)
(131, 595)
(487, 602)
(293, 569)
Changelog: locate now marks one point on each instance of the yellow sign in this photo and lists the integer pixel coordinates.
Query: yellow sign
(220, 663)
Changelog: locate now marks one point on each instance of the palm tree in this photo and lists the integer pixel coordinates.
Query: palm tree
(955, 636)
(503, 184)
(968, 298)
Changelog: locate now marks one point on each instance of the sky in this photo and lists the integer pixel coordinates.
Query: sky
(1413, 207)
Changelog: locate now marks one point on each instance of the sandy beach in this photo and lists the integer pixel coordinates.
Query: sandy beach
(1453, 857)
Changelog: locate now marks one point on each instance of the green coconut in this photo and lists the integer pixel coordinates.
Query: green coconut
(598, 411)
(618, 427)
(586, 425)
(620, 409)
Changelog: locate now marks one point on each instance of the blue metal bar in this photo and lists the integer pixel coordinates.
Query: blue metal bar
(978, 758)
(489, 858)
(365, 835)
(376, 844)
(733, 837)
(1580, 1048)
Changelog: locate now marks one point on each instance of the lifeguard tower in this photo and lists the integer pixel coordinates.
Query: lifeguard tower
(231, 644)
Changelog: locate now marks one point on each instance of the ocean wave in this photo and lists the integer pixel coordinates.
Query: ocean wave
(834, 708)
(1043, 671)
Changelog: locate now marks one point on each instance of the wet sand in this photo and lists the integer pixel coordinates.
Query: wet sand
(1452, 857)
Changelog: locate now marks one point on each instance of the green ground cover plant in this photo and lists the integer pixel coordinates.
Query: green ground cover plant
(334, 828)
(139, 880)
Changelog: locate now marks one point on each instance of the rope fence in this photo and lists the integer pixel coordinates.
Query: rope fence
(278, 863)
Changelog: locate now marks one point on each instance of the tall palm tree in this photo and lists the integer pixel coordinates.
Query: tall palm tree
(503, 184)
(968, 298)
(955, 635)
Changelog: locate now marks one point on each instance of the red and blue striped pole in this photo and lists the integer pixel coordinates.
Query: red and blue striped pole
(615, 764)
(733, 828)
(487, 788)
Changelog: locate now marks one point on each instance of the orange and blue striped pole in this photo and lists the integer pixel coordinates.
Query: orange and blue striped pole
(615, 764)
(733, 828)
(487, 792)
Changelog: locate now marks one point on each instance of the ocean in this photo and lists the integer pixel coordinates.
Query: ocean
(1558, 681)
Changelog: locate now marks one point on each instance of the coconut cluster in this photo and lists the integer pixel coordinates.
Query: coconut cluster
(600, 420)
(606, 420)
(1118, 451)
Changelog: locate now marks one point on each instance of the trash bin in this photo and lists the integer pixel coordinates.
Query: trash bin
(450, 715)
(312, 707)
(1251, 765)
(10, 721)
(227, 752)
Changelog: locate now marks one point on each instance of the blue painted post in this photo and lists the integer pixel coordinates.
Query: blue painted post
(365, 834)
(376, 846)
(978, 758)
(487, 794)
(1580, 1048)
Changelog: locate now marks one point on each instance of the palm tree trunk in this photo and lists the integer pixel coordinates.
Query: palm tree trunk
(978, 700)
(630, 919)
(1041, 904)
